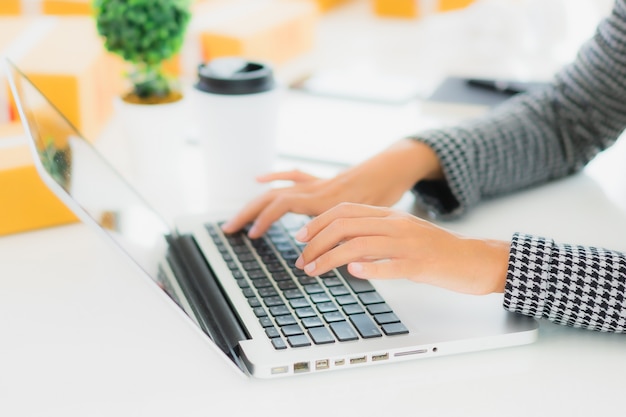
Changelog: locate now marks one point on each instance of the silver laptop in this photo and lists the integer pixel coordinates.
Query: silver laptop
(267, 317)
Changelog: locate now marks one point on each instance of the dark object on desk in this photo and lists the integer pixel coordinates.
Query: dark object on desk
(478, 91)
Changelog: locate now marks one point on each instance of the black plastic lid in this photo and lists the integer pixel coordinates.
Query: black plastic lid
(234, 76)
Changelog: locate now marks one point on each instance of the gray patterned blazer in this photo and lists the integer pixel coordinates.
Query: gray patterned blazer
(532, 139)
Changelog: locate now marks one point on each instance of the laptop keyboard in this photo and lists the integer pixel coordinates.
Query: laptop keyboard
(295, 309)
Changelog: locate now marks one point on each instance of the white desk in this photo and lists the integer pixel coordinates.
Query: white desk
(82, 334)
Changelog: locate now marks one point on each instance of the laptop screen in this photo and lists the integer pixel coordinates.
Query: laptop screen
(76, 172)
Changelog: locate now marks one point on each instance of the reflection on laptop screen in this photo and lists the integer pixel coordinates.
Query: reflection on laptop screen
(85, 181)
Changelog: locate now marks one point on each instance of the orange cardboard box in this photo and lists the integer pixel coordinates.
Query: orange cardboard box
(325, 5)
(10, 29)
(27, 204)
(396, 8)
(448, 5)
(67, 7)
(275, 32)
(10, 7)
(66, 60)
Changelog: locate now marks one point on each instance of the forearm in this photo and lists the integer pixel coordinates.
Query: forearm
(572, 285)
(536, 137)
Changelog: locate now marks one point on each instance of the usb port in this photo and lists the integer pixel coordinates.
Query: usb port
(382, 357)
(361, 359)
(322, 364)
(299, 367)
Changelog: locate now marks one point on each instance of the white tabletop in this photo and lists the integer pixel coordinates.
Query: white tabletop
(82, 333)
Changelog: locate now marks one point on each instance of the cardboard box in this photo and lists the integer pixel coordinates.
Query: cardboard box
(10, 29)
(449, 5)
(326, 5)
(396, 8)
(66, 60)
(10, 7)
(27, 204)
(275, 31)
(67, 7)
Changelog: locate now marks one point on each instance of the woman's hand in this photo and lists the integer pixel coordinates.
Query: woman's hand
(381, 181)
(384, 243)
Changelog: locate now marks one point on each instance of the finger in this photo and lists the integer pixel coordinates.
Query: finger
(383, 269)
(293, 175)
(248, 213)
(340, 211)
(360, 249)
(282, 204)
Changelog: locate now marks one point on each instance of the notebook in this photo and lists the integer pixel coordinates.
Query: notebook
(265, 315)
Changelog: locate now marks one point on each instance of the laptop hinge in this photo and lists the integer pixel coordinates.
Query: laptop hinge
(205, 295)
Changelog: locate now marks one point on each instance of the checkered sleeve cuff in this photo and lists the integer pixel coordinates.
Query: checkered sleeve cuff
(573, 285)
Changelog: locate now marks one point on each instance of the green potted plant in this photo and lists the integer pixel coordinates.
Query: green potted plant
(150, 115)
(145, 33)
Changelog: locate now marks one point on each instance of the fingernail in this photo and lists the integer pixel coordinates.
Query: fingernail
(254, 231)
(227, 226)
(309, 268)
(299, 262)
(301, 235)
(356, 268)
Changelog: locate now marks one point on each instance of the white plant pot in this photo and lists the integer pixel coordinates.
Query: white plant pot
(154, 134)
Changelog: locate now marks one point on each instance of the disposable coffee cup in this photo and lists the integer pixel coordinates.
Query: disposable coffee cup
(235, 102)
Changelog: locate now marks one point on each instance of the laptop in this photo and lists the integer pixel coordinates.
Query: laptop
(264, 314)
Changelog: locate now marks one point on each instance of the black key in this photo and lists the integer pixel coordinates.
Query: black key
(365, 326)
(339, 290)
(370, 298)
(378, 308)
(298, 341)
(238, 274)
(299, 303)
(245, 257)
(333, 316)
(309, 322)
(265, 321)
(386, 318)
(272, 332)
(279, 310)
(275, 267)
(320, 298)
(343, 331)
(248, 292)
(291, 330)
(358, 285)
(287, 285)
(285, 320)
(290, 255)
(307, 280)
(243, 283)
(353, 309)
(267, 292)
(279, 343)
(254, 302)
(295, 293)
(273, 301)
(262, 283)
(260, 312)
(305, 312)
(332, 282)
(281, 276)
(313, 289)
(250, 265)
(321, 335)
(394, 328)
(256, 274)
(326, 307)
(346, 299)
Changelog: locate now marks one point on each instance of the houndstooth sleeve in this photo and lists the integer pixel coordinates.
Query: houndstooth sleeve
(536, 137)
(572, 285)
(532, 139)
